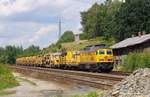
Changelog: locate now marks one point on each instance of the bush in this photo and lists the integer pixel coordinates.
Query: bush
(136, 60)
(91, 94)
(84, 36)
(7, 80)
(68, 36)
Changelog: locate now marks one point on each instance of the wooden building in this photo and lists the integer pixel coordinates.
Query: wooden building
(140, 43)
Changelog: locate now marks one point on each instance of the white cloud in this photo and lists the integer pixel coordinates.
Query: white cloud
(43, 31)
(26, 22)
(8, 7)
(11, 7)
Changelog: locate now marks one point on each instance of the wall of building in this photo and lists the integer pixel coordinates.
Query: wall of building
(77, 37)
(121, 53)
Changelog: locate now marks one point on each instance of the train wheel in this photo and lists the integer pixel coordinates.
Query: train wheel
(93, 68)
(81, 67)
(105, 67)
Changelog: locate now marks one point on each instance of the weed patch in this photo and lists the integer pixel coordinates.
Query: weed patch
(135, 61)
(7, 80)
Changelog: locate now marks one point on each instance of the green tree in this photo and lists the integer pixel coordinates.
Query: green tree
(109, 24)
(100, 20)
(84, 36)
(19, 50)
(68, 36)
(31, 50)
(133, 17)
(10, 53)
(91, 21)
(2, 55)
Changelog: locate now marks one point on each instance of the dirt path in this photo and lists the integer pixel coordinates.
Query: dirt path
(30, 87)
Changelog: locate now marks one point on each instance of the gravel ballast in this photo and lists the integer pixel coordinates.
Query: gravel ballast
(135, 85)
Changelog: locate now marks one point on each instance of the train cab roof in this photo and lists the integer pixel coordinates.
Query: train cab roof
(97, 46)
(91, 48)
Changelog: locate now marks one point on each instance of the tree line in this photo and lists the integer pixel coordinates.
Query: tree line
(116, 19)
(111, 20)
(9, 54)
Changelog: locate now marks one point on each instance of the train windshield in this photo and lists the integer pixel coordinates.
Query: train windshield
(109, 52)
(100, 52)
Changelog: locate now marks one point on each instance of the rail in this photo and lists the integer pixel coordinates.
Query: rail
(97, 80)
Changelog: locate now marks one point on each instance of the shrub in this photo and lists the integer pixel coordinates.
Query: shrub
(84, 36)
(68, 36)
(91, 94)
(7, 80)
(136, 60)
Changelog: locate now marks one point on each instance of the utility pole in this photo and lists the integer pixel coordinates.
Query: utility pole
(59, 35)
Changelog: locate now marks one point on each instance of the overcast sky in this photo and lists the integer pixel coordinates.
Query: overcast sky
(26, 22)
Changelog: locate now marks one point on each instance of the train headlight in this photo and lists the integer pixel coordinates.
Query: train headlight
(109, 59)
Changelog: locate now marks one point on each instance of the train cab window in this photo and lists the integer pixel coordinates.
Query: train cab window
(101, 52)
(109, 52)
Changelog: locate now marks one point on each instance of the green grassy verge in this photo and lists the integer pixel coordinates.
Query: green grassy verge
(135, 61)
(7, 79)
(92, 94)
(83, 43)
(77, 45)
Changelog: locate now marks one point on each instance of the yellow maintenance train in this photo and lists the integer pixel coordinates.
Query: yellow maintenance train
(96, 58)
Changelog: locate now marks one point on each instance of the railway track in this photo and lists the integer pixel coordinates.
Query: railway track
(96, 80)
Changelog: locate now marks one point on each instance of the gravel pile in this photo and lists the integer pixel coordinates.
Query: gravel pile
(135, 85)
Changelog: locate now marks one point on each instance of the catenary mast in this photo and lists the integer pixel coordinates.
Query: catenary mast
(59, 35)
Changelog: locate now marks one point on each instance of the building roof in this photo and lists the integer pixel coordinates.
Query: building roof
(132, 41)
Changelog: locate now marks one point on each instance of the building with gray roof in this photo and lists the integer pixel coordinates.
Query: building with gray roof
(139, 43)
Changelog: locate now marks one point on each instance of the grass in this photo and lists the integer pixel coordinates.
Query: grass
(135, 61)
(76, 46)
(83, 43)
(7, 80)
(91, 94)
(118, 68)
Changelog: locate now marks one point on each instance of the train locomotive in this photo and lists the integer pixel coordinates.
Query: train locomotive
(95, 58)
